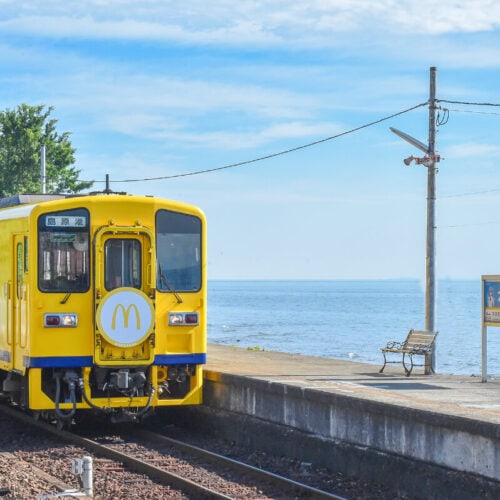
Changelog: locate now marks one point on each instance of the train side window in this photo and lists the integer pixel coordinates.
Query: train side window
(63, 251)
(122, 265)
(20, 269)
(25, 254)
(178, 252)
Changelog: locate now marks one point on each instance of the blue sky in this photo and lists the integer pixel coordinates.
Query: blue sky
(159, 88)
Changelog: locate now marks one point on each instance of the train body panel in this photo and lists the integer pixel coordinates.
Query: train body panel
(102, 304)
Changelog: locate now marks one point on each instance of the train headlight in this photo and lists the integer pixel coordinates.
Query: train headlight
(64, 320)
(183, 319)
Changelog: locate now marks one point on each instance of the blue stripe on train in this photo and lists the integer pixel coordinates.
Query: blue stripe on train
(180, 359)
(79, 361)
(57, 361)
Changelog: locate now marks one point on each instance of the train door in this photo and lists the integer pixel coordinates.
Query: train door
(124, 291)
(19, 302)
(6, 325)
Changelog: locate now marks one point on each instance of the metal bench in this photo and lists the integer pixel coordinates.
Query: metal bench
(417, 343)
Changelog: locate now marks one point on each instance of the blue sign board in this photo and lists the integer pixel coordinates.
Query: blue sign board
(491, 315)
(491, 300)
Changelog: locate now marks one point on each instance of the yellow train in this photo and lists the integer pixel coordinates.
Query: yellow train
(102, 305)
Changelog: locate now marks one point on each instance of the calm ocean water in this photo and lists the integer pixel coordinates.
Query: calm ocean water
(350, 319)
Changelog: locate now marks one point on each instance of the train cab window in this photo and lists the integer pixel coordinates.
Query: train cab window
(178, 252)
(63, 251)
(122, 266)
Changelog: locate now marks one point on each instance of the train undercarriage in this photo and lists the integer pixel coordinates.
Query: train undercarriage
(122, 394)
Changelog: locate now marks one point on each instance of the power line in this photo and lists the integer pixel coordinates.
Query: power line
(460, 195)
(469, 103)
(473, 112)
(473, 224)
(471, 193)
(272, 155)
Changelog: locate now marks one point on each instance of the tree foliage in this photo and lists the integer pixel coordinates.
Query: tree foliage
(23, 131)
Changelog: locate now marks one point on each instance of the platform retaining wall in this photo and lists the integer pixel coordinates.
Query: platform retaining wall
(456, 443)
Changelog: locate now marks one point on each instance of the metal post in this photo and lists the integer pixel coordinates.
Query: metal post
(87, 477)
(430, 299)
(108, 189)
(43, 175)
(83, 469)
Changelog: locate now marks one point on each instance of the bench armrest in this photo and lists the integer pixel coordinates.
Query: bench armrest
(395, 345)
(422, 348)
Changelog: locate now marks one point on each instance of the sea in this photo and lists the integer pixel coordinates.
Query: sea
(352, 319)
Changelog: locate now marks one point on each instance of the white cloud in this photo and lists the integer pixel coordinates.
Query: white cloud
(471, 150)
(88, 27)
(270, 22)
(152, 127)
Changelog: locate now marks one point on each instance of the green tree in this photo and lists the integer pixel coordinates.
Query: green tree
(23, 131)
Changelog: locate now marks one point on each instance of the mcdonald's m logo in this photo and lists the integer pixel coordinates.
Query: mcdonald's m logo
(126, 315)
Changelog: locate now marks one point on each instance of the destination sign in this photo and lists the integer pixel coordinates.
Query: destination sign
(65, 221)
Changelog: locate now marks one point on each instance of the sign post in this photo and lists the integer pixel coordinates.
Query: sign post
(490, 315)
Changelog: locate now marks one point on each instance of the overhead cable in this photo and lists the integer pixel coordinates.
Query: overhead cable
(473, 112)
(272, 155)
(471, 193)
(470, 103)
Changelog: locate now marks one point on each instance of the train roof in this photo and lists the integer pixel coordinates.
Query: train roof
(21, 205)
(24, 199)
(32, 198)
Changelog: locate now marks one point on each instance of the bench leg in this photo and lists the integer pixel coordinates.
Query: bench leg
(385, 362)
(408, 370)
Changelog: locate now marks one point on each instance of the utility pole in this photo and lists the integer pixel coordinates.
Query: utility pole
(430, 160)
(430, 300)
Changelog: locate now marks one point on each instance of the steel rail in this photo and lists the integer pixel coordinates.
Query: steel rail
(289, 486)
(294, 488)
(185, 485)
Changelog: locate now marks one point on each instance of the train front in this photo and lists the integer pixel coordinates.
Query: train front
(127, 281)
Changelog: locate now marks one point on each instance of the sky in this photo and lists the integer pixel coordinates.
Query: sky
(161, 89)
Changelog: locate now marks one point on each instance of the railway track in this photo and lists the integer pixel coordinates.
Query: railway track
(287, 488)
(197, 472)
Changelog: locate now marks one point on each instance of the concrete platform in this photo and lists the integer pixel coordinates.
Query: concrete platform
(443, 421)
(458, 395)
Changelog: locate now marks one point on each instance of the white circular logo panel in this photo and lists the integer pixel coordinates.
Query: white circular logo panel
(125, 317)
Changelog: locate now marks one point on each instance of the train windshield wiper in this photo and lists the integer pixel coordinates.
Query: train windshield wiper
(163, 279)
